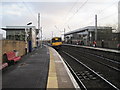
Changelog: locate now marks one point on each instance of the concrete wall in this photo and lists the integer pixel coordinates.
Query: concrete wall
(10, 45)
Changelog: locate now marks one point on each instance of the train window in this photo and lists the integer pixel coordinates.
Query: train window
(56, 40)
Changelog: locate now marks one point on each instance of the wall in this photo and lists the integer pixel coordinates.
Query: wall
(10, 45)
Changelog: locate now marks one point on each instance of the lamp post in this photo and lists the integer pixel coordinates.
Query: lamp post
(41, 36)
(26, 36)
(29, 23)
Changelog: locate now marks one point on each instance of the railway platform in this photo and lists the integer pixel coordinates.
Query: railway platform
(43, 68)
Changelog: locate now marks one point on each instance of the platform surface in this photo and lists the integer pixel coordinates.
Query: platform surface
(43, 68)
(59, 76)
(30, 72)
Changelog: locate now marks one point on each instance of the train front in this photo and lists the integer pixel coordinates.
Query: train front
(56, 42)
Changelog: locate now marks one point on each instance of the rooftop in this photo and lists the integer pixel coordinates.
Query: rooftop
(17, 27)
(89, 28)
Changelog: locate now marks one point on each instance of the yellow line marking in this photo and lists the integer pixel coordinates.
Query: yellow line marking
(52, 77)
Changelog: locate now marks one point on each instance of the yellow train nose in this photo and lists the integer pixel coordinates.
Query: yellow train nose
(56, 43)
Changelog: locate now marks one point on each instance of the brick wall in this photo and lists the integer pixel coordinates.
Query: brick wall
(10, 45)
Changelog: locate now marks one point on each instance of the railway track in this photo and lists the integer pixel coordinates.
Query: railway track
(100, 59)
(85, 75)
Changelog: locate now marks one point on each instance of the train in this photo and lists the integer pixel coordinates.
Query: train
(56, 42)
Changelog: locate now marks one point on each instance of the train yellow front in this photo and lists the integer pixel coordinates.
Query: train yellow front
(56, 42)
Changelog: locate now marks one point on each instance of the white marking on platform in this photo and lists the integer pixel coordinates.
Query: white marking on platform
(58, 61)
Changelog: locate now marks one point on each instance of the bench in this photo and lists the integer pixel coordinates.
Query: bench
(4, 65)
(11, 57)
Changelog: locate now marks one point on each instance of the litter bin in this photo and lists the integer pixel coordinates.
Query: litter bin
(16, 52)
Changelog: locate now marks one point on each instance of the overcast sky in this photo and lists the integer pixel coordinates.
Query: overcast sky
(59, 14)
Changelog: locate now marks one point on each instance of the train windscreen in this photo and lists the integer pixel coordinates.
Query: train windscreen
(56, 40)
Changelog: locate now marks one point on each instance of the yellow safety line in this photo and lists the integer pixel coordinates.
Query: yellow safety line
(52, 77)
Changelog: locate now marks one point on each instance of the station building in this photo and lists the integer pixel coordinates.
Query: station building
(22, 33)
(87, 35)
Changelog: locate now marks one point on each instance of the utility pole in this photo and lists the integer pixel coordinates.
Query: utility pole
(64, 34)
(95, 27)
(119, 16)
(41, 36)
(52, 34)
(39, 28)
(69, 28)
(38, 21)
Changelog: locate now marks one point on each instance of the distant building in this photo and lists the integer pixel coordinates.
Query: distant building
(22, 33)
(116, 37)
(119, 16)
(87, 35)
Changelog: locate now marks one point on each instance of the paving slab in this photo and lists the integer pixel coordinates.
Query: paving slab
(59, 75)
(30, 72)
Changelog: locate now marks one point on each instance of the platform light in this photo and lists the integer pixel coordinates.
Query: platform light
(29, 23)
